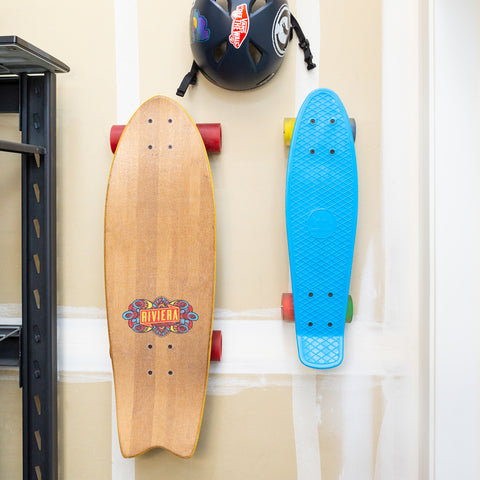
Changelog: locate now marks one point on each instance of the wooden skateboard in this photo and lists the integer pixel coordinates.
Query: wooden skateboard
(321, 203)
(160, 278)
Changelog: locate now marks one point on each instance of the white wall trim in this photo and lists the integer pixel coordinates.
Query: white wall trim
(456, 30)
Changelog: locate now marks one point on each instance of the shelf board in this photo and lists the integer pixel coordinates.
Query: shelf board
(18, 56)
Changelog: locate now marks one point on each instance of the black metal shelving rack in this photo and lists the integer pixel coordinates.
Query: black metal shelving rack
(28, 87)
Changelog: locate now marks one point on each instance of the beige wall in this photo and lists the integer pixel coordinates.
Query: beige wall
(252, 424)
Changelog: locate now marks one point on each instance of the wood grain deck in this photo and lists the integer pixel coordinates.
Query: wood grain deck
(160, 252)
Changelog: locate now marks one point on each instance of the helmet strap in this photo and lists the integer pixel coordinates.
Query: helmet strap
(303, 43)
(189, 79)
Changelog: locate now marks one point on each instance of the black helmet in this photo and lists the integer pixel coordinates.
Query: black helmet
(240, 44)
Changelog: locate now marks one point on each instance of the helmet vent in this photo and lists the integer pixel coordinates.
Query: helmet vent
(258, 4)
(223, 4)
(219, 51)
(255, 53)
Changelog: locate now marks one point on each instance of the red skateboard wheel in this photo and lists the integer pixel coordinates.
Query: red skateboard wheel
(287, 307)
(216, 351)
(115, 134)
(211, 135)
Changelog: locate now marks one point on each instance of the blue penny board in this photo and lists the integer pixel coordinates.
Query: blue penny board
(321, 216)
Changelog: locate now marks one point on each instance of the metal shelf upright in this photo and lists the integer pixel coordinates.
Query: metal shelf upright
(28, 87)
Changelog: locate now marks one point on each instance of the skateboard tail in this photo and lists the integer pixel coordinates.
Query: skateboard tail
(320, 352)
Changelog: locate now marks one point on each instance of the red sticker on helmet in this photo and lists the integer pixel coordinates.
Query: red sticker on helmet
(240, 25)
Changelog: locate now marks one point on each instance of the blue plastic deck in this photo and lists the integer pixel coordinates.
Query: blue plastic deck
(321, 216)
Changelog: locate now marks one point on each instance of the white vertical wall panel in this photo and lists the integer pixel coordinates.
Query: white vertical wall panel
(457, 238)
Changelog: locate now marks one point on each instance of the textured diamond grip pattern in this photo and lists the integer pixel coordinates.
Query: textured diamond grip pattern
(321, 216)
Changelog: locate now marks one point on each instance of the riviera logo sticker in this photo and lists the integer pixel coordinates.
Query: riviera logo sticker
(160, 316)
(240, 25)
(281, 30)
(200, 32)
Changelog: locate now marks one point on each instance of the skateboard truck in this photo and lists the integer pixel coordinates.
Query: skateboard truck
(211, 135)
